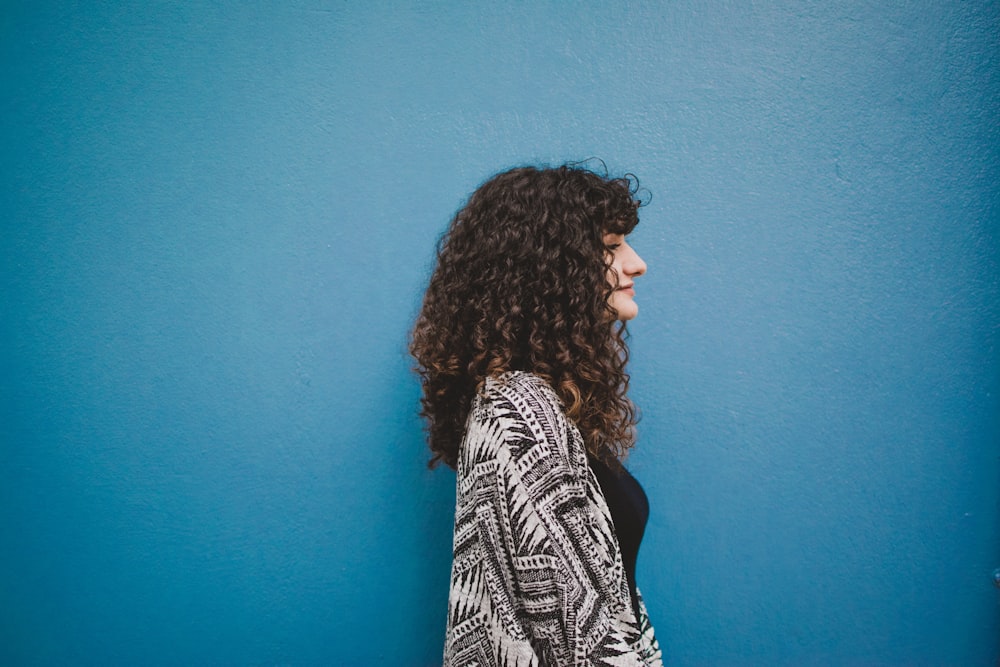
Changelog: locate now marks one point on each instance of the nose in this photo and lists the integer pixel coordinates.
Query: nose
(633, 265)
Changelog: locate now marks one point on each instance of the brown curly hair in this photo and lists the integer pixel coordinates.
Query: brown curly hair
(521, 284)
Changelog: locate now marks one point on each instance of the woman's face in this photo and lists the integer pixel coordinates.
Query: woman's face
(625, 267)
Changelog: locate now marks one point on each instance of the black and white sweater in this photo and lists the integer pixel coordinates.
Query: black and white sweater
(537, 576)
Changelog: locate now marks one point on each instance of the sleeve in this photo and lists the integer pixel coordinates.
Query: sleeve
(554, 576)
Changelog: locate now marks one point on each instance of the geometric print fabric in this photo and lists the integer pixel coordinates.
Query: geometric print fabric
(537, 575)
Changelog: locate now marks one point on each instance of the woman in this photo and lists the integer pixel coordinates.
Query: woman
(521, 352)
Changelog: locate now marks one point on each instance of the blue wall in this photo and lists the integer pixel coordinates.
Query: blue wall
(217, 222)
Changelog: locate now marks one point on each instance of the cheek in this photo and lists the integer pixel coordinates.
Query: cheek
(613, 273)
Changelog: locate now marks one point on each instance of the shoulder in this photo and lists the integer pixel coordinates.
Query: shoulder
(518, 414)
(519, 398)
(522, 388)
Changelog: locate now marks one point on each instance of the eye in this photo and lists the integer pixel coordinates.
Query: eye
(613, 241)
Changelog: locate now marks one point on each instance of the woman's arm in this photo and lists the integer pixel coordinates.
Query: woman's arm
(533, 530)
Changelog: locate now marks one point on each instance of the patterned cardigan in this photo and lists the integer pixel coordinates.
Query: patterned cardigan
(537, 576)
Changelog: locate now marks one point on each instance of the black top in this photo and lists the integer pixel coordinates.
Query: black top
(629, 513)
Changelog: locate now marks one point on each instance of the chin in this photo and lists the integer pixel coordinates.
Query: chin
(626, 311)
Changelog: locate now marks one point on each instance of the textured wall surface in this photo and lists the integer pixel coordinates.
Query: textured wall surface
(217, 221)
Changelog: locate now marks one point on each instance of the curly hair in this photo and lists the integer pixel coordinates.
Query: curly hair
(521, 283)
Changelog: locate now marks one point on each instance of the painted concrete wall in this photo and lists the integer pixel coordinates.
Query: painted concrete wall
(217, 222)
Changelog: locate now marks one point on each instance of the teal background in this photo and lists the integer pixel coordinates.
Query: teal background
(217, 222)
